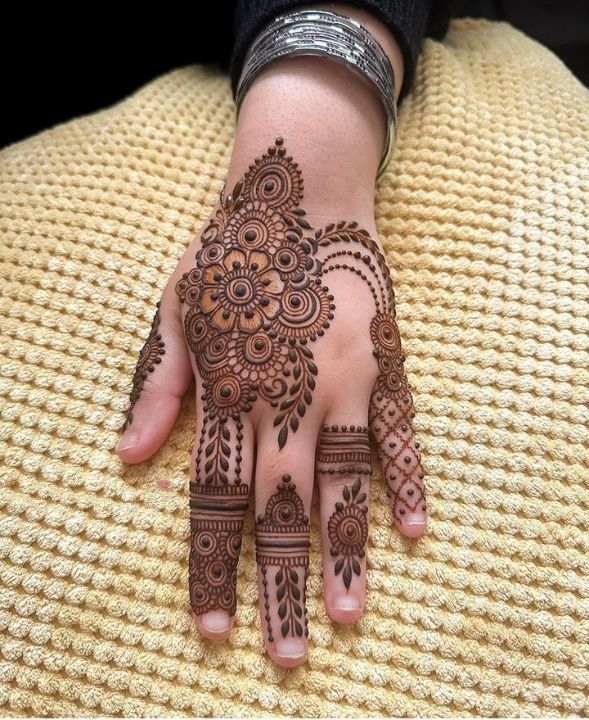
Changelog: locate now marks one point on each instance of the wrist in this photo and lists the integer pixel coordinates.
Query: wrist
(333, 119)
(332, 122)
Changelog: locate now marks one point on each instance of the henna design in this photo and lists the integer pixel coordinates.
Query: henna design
(348, 532)
(216, 524)
(338, 446)
(255, 299)
(391, 404)
(282, 541)
(342, 451)
(149, 356)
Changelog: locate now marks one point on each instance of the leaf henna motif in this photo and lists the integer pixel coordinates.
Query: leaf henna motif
(282, 541)
(149, 356)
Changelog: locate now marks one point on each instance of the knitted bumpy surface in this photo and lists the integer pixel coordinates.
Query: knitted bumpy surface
(483, 213)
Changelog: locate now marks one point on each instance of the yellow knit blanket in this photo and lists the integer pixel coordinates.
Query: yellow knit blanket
(485, 219)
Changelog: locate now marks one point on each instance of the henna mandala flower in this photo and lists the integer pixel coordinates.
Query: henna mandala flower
(258, 357)
(385, 334)
(276, 180)
(255, 225)
(348, 530)
(241, 290)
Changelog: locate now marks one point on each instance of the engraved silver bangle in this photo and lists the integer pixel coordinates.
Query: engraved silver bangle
(329, 34)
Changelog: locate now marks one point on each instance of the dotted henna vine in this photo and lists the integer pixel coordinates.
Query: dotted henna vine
(282, 553)
(149, 356)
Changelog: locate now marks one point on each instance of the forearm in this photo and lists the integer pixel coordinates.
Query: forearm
(332, 121)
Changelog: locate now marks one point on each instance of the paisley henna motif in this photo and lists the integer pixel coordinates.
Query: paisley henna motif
(282, 553)
(149, 356)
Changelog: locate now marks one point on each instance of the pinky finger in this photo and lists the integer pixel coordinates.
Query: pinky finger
(390, 416)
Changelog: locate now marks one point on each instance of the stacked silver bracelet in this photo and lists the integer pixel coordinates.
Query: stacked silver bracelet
(330, 34)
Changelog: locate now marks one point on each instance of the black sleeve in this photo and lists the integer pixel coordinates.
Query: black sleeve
(408, 20)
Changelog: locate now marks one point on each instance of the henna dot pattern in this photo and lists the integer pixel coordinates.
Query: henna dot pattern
(149, 356)
(282, 553)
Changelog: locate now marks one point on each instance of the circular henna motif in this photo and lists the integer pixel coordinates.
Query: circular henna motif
(255, 225)
(385, 334)
(227, 395)
(304, 311)
(348, 531)
(275, 180)
(241, 291)
(290, 261)
(211, 253)
(196, 330)
(258, 357)
(212, 361)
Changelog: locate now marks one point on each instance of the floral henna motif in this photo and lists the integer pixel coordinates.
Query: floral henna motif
(348, 532)
(346, 452)
(149, 357)
(255, 300)
(282, 552)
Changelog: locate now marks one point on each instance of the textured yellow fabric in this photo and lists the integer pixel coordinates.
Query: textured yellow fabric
(484, 216)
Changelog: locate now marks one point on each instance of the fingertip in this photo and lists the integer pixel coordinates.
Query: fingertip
(214, 625)
(414, 529)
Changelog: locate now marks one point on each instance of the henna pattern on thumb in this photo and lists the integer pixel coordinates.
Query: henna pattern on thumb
(149, 356)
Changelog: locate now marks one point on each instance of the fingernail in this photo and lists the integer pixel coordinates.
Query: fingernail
(128, 441)
(215, 621)
(346, 602)
(292, 648)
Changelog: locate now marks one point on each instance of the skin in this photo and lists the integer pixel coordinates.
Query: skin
(333, 126)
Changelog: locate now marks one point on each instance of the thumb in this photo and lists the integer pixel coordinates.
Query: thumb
(162, 375)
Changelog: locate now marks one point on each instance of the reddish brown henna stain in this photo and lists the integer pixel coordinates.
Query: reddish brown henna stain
(255, 300)
(149, 356)
(344, 451)
(282, 553)
(254, 304)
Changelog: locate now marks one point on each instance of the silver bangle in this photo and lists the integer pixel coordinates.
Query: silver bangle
(329, 34)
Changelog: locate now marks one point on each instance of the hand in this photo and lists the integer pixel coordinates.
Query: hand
(284, 312)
